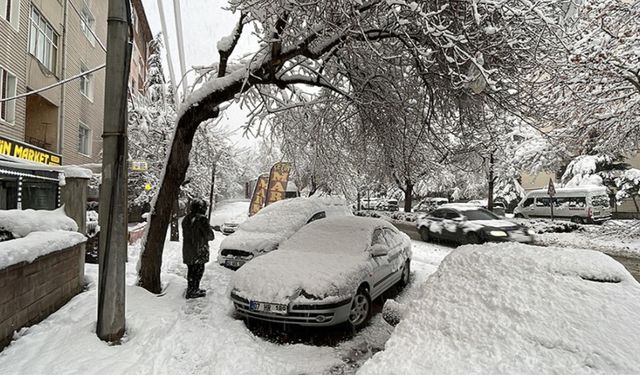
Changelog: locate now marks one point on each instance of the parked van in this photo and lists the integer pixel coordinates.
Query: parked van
(580, 205)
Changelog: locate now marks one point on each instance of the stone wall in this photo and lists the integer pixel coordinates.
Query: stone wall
(29, 292)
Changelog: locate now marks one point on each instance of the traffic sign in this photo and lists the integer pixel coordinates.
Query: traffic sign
(551, 189)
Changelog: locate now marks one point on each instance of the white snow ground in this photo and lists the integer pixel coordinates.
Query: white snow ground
(170, 335)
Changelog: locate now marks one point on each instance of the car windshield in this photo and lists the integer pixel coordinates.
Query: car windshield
(600, 201)
(480, 215)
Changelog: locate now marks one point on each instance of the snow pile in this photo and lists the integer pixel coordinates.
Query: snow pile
(518, 309)
(23, 222)
(278, 221)
(36, 244)
(325, 259)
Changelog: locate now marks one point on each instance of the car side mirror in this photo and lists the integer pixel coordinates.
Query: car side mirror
(378, 250)
(216, 228)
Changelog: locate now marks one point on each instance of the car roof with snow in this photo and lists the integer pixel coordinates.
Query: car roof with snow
(488, 307)
(461, 206)
(337, 234)
(280, 220)
(574, 190)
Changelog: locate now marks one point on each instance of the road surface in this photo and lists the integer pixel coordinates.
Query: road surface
(632, 264)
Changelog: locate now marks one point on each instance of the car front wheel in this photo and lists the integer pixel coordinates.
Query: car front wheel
(406, 274)
(360, 309)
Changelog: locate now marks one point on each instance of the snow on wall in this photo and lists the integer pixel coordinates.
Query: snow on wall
(36, 244)
(23, 222)
(518, 309)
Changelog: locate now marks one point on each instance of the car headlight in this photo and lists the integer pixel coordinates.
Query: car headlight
(498, 233)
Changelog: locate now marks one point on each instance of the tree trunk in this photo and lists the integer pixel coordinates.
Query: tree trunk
(635, 203)
(408, 192)
(491, 183)
(175, 171)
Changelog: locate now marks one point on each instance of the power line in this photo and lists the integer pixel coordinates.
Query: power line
(64, 81)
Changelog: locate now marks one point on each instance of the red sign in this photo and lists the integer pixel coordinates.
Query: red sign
(551, 189)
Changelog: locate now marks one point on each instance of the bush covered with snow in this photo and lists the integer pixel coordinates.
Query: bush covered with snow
(540, 226)
(22, 222)
(518, 309)
(389, 216)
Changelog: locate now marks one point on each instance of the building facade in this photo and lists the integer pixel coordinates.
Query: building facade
(57, 49)
(44, 42)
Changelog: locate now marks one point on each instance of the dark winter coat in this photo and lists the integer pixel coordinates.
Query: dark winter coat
(196, 234)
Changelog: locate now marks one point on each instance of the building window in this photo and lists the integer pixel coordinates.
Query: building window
(84, 140)
(88, 23)
(43, 41)
(86, 83)
(10, 11)
(8, 88)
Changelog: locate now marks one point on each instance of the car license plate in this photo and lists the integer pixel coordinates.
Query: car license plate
(233, 263)
(275, 308)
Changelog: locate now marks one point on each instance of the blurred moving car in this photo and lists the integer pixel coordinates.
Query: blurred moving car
(580, 205)
(326, 274)
(488, 307)
(465, 223)
(430, 204)
(264, 231)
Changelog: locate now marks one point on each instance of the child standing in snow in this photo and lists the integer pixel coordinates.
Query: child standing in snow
(196, 234)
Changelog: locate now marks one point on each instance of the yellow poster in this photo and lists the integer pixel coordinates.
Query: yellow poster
(278, 180)
(259, 194)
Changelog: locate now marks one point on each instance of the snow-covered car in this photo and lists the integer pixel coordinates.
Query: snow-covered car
(585, 204)
(468, 223)
(326, 274)
(509, 308)
(231, 225)
(388, 205)
(430, 204)
(273, 224)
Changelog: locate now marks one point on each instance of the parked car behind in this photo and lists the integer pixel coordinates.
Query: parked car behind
(388, 205)
(273, 224)
(326, 274)
(430, 204)
(580, 205)
(467, 223)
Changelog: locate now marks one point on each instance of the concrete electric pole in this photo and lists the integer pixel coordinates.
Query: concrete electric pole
(113, 192)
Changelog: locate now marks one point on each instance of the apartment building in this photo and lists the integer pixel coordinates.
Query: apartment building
(56, 48)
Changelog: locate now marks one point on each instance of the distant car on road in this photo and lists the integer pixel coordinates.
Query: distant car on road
(273, 224)
(430, 204)
(388, 205)
(466, 223)
(326, 274)
(229, 227)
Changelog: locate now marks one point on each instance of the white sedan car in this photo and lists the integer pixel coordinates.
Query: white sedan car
(326, 274)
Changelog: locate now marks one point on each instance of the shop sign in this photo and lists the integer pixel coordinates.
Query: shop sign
(28, 152)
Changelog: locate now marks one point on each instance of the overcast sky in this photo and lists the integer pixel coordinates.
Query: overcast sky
(204, 22)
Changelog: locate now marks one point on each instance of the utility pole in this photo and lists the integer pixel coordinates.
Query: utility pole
(213, 184)
(113, 192)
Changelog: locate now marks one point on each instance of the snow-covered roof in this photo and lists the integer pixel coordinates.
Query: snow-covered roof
(325, 259)
(518, 309)
(73, 171)
(579, 189)
(23, 222)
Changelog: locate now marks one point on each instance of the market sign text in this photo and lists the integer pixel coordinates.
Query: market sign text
(27, 152)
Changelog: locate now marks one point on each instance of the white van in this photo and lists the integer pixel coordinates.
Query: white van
(580, 205)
